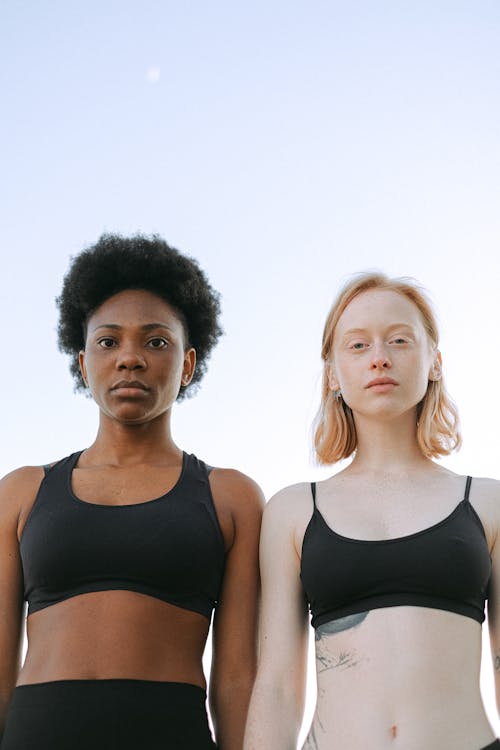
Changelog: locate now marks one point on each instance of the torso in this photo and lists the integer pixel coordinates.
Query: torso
(403, 677)
(397, 674)
(118, 633)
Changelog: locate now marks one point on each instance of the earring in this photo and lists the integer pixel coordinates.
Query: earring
(337, 394)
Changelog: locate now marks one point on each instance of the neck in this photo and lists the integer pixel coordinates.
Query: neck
(388, 446)
(119, 443)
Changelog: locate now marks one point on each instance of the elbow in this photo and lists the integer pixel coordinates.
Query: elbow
(274, 717)
(287, 696)
(232, 688)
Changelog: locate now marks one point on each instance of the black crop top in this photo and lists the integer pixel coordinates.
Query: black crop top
(170, 548)
(446, 566)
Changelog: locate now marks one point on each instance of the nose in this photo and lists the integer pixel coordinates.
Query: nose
(130, 360)
(380, 358)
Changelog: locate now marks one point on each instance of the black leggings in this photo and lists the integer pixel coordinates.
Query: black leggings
(107, 715)
(493, 746)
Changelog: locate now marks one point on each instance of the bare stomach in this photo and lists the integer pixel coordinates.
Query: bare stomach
(114, 634)
(401, 677)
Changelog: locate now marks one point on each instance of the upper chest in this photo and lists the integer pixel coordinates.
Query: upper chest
(388, 508)
(123, 485)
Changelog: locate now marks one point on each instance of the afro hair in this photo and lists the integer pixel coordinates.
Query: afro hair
(116, 263)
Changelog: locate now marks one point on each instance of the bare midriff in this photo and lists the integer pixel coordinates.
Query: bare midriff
(115, 635)
(401, 677)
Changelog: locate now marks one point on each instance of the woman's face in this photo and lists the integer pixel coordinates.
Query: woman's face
(135, 358)
(382, 357)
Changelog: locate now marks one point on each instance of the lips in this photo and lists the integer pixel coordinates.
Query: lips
(129, 384)
(381, 381)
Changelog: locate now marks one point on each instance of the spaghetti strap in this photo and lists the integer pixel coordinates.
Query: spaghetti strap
(467, 488)
(313, 491)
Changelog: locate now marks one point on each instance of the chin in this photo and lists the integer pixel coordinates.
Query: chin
(391, 412)
(387, 409)
(129, 416)
(131, 421)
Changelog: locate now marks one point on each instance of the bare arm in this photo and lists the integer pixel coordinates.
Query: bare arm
(234, 652)
(491, 501)
(14, 488)
(277, 704)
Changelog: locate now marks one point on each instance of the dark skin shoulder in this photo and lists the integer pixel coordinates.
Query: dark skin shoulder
(239, 503)
(25, 485)
(17, 494)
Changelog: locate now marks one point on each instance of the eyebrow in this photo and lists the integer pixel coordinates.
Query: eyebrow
(393, 326)
(145, 327)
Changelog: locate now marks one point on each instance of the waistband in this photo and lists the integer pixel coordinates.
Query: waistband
(107, 714)
(115, 685)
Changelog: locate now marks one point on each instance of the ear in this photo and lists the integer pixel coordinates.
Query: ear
(333, 383)
(83, 369)
(436, 371)
(188, 366)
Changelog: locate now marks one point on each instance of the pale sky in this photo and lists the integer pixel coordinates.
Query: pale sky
(284, 145)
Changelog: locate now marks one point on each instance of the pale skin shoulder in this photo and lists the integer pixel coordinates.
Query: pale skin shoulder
(281, 678)
(485, 497)
(293, 507)
(239, 502)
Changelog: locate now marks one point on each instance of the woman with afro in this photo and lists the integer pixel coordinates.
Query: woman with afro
(125, 549)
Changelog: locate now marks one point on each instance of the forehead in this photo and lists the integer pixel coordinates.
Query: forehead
(134, 307)
(379, 308)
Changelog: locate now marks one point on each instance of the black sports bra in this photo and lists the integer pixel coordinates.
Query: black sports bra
(170, 548)
(446, 566)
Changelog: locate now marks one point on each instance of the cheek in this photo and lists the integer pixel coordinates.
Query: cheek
(422, 384)
(347, 374)
(92, 369)
(421, 367)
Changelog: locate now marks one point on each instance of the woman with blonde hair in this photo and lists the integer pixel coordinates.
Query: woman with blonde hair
(394, 555)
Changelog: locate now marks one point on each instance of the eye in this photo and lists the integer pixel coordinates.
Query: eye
(399, 340)
(158, 343)
(106, 343)
(358, 346)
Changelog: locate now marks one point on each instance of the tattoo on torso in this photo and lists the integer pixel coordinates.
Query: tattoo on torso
(337, 626)
(311, 743)
(329, 658)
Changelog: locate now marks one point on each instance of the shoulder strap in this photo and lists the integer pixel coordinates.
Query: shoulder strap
(467, 489)
(313, 492)
(63, 464)
(196, 483)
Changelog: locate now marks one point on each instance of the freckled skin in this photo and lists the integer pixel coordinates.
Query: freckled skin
(401, 352)
(390, 677)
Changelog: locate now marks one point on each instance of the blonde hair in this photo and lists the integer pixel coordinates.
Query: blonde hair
(335, 438)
